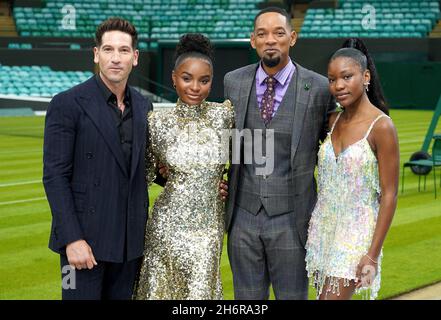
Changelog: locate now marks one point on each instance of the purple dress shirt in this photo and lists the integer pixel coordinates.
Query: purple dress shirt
(283, 78)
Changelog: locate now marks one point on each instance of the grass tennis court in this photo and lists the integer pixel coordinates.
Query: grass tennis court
(29, 270)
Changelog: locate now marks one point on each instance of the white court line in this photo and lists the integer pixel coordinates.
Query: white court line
(25, 98)
(22, 201)
(156, 106)
(29, 151)
(19, 183)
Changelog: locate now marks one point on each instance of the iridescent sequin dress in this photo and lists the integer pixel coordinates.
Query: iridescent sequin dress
(345, 216)
(184, 235)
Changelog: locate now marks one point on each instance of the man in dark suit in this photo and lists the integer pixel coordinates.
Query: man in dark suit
(94, 172)
(267, 213)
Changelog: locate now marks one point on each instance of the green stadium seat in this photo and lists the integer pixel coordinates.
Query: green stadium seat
(394, 18)
(21, 80)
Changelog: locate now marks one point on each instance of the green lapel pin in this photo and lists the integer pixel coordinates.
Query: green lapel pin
(306, 86)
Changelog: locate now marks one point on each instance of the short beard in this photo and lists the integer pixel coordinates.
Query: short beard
(271, 62)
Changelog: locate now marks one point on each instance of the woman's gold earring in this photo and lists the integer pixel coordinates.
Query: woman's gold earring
(174, 85)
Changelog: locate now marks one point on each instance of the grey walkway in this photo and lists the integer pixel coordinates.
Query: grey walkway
(432, 292)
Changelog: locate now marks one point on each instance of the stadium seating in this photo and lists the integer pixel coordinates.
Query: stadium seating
(38, 81)
(155, 19)
(392, 18)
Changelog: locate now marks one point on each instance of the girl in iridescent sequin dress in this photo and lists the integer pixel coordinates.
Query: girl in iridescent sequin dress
(183, 242)
(358, 165)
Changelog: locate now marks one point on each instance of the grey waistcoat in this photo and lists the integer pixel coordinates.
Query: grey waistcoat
(274, 191)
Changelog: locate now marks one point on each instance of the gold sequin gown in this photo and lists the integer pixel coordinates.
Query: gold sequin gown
(184, 235)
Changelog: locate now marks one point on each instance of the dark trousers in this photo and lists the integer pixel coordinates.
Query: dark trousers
(267, 250)
(106, 281)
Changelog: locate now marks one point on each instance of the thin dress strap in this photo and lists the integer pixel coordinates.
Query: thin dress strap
(335, 122)
(373, 123)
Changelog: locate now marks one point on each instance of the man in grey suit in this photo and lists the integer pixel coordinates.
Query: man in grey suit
(267, 214)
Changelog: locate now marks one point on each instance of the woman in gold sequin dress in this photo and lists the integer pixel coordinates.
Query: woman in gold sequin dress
(183, 242)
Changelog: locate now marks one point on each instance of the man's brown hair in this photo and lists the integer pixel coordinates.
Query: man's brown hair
(116, 24)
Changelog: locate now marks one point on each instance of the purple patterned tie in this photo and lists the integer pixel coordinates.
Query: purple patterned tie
(267, 104)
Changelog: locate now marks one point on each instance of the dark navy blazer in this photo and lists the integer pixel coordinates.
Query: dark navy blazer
(91, 193)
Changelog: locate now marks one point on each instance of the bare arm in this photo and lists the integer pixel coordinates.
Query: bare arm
(386, 144)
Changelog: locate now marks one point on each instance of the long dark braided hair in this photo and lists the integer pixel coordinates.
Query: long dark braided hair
(363, 58)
